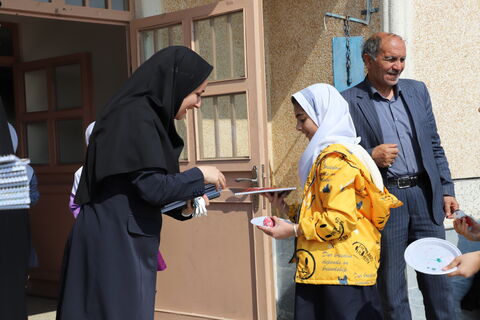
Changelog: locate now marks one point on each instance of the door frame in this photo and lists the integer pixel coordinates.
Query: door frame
(255, 86)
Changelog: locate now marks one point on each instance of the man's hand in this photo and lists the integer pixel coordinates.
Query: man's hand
(467, 265)
(450, 204)
(385, 154)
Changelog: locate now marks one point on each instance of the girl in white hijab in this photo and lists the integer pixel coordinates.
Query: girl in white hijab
(329, 111)
(343, 209)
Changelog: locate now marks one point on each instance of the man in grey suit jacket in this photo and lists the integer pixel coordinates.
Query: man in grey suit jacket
(395, 121)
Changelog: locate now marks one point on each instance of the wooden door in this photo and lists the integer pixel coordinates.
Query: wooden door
(219, 266)
(53, 106)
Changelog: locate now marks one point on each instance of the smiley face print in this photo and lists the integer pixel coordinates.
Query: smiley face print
(328, 232)
(305, 264)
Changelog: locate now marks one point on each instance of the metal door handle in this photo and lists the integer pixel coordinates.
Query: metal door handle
(253, 183)
(253, 180)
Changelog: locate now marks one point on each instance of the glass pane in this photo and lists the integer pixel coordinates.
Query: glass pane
(238, 42)
(203, 35)
(70, 140)
(98, 4)
(176, 35)
(220, 40)
(224, 123)
(206, 128)
(169, 36)
(37, 142)
(75, 2)
(148, 45)
(157, 39)
(120, 5)
(181, 126)
(68, 86)
(36, 90)
(6, 41)
(223, 127)
(241, 124)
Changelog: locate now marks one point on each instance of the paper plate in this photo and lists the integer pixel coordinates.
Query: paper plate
(430, 255)
(258, 221)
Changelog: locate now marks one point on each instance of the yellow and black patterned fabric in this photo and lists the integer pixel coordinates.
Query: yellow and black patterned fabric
(341, 215)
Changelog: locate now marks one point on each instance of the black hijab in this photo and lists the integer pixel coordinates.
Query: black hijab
(5, 139)
(136, 130)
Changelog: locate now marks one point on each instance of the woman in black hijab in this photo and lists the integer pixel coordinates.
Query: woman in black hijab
(131, 170)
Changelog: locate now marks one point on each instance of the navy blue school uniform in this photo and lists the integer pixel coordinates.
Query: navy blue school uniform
(111, 255)
(315, 302)
(131, 170)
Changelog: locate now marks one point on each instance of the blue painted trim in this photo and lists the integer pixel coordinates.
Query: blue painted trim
(339, 62)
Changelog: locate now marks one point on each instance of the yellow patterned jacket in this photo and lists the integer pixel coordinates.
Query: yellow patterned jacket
(341, 214)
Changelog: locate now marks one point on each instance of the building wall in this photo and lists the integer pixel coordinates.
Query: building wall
(298, 52)
(445, 49)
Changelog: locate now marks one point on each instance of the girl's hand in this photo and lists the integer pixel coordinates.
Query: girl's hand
(467, 265)
(212, 175)
(281, 229)
(277, 200)
(471, 233)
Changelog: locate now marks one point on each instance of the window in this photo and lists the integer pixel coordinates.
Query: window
(220, 129)
(54, 108)
(223, 127)
(154, 40)
(220, 41)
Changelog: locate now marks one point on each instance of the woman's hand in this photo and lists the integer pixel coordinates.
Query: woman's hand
(188, 211)
(281, 229)
(467, 265)
(471, 233)
(277, 200)
(207, 201)
(212, 175)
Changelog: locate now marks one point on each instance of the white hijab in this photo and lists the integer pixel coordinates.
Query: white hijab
(88, 132)
(78, 173)
(327, 108)
(13, 137)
